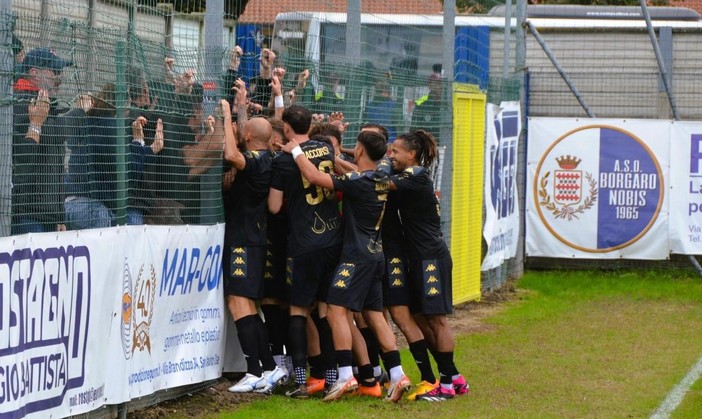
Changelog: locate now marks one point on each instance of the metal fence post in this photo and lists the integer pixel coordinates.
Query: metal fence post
(210, 191)
(520, 71)
(6, 73)
(446, 131)
(120, 138)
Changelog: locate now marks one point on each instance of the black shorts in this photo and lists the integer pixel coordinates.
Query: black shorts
(308, 275)
(274, 285)
(396, 291)
(243, 271)
(357, 286)
(430, 284)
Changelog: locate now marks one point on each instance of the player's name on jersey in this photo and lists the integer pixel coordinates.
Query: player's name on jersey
(316, 152)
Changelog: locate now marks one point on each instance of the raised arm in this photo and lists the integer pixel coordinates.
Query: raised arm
(242, 109)
(231, 150)
(207, 152)
(278, 102)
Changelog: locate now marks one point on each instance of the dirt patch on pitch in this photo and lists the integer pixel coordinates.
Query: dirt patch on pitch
(467, 318)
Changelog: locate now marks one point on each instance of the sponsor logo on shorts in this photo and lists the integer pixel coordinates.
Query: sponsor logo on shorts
(238, 268)
(343, 273)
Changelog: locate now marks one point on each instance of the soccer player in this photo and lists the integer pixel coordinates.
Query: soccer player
(429, 260)
(356, 285)
(396, 291)
(245, 244)
(274, 304)
(314, 241)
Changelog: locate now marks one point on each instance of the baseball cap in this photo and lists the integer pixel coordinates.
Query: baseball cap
(44, 58)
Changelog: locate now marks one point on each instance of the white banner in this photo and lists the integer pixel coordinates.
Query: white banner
(596, 188)
(686, 188)
(501, 229)
(97, 317)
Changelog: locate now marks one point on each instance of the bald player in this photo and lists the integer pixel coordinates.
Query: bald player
(245, 240)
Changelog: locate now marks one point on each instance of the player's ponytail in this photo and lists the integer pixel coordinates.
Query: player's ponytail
(424, 144)
(430, 148)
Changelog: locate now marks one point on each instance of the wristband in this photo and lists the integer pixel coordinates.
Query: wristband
(279, 102)
(297, 151)
(35, 128)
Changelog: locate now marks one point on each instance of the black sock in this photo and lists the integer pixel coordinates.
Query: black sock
(284, 326)
(273, 315)
(248, 339)
(444, 361)
(316, 370)
(326, 343)
(421, 358)
(343, 358)
(391, 359)
(365, 373)
(264, 348)
(371, 345)
(298, 346)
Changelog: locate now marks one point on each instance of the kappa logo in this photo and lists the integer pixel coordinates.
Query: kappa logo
(397, 283)
(136, 318)
(433, 291)
(430, 268)
(340, 284)
(238, 272)
(239, 250)
(396, 271)
(344, 273)
(395, 260)
(567, 189)
(239, 260)
(269, 264)
(267, 275)
(432, 279)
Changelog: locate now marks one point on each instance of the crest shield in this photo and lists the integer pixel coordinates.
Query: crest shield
(568, 186)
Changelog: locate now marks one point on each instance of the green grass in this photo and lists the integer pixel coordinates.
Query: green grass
(690, 407)
(573, 345)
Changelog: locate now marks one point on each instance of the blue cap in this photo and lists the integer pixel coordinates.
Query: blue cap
(44, 58)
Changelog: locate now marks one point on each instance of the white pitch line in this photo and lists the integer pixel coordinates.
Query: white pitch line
(676, 395)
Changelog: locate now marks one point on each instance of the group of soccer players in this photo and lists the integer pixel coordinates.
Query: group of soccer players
(325, 246)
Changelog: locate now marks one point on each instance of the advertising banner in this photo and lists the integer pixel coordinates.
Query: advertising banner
(97, 317)
(596, 188)
(686, 188)
(501, 228)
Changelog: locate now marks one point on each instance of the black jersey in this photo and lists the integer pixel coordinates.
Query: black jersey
(420, 213)
(364, 205)
(248, 198)
(314, 214)
(393, 237)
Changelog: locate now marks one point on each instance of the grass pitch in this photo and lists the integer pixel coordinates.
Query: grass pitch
(583, 344)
